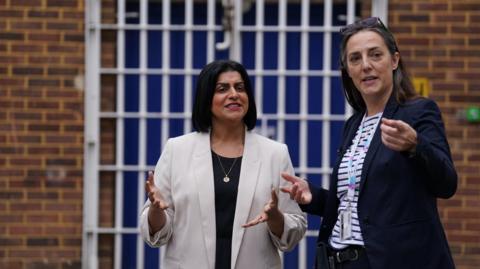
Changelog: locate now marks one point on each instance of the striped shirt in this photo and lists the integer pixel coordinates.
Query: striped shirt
(352, 164)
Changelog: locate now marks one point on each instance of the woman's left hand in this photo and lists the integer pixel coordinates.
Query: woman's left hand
(398, 135)
(271, 214)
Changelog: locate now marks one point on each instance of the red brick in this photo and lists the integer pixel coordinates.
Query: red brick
(413, 18)
(27, 48)
(465, 6)
(43, 14)
(27, 71)
(29, 254)
(25, 230)
(61, 3)
(432, 6)
(43, 82)
(43, 150)
(22, 25)
(5, 241)
(62, 26)
(12, 59)
(43, 218)
(42, 195)
(44, 37)
(42, 242)
(11, 13)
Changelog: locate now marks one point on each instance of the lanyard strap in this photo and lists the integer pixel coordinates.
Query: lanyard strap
(352, 167)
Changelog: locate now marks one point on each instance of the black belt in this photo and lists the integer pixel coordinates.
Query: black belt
(351, 253)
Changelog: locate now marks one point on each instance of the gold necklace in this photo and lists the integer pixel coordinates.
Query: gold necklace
(226, 178)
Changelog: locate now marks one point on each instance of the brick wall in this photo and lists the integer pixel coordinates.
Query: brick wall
(41, 122)
(41, 129)
(440, 40)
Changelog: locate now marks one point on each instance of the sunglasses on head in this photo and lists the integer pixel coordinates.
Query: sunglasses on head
(371, 22)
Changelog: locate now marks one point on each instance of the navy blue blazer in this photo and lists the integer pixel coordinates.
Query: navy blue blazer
(397, 205)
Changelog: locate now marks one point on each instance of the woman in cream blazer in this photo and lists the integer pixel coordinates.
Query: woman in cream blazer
(182, 192)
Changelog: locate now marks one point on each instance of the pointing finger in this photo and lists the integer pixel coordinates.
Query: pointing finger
(289, 178)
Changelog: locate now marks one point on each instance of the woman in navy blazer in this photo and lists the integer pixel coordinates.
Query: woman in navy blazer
(393, 163)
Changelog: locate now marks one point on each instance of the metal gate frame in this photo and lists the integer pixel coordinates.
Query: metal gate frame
(94, 70)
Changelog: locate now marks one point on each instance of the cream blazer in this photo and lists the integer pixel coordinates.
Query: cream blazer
(184, 173)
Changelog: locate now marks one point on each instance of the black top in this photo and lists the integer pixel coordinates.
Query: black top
(225, 202)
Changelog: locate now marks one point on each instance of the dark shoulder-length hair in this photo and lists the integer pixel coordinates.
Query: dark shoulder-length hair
(205, 89)
(403, 89)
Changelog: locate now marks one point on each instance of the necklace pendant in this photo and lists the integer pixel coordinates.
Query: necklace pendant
(226, 179)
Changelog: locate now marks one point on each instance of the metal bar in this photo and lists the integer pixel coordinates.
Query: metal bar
(259, 46)
(119, 147)
(92, 138)
(211, 30)
(327, 51)
(158, 71)
(303, 160)
(236, 43)
(187, 99)
(380, 9)
(266, 116)
(350, 19)
(165, 67)
(142, 130)
(197, 27)
(282, 22)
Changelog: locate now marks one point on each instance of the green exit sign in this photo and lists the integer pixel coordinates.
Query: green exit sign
(473, 114)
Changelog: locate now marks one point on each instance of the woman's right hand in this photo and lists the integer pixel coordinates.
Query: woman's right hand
(156, 213)
(153, 193)
(298, 190)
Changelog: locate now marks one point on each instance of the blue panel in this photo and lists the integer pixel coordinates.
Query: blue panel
(292, 98)
(130, 197)
(336, 40)
(153, 140)
(131, 93)
(248, 50)
(337, 97)
(294, 14)
(314, 143)
(155, 15)
(151, 258)
(176, 127)
(155, 42)
(270, 93)
(131, 142)
(290, 259)
(177, 13)
(199, 49)
(129, 251)
(315, 51)
(311, 251)
(177, 49)
(249, 15)
(292, 132)
(293, 51)
(271, 14)
(315, 95)
(336, 128)
(154, 93)
(270, 50)
(132, 59)
(177, 89)
(199, 13)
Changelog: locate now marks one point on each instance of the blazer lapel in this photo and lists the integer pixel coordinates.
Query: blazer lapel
(246, 189)
(203, 169)
(388, 112)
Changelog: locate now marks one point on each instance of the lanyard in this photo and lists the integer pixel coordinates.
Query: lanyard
(352, 167)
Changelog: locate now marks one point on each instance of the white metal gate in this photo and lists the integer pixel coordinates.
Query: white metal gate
(256, 33)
